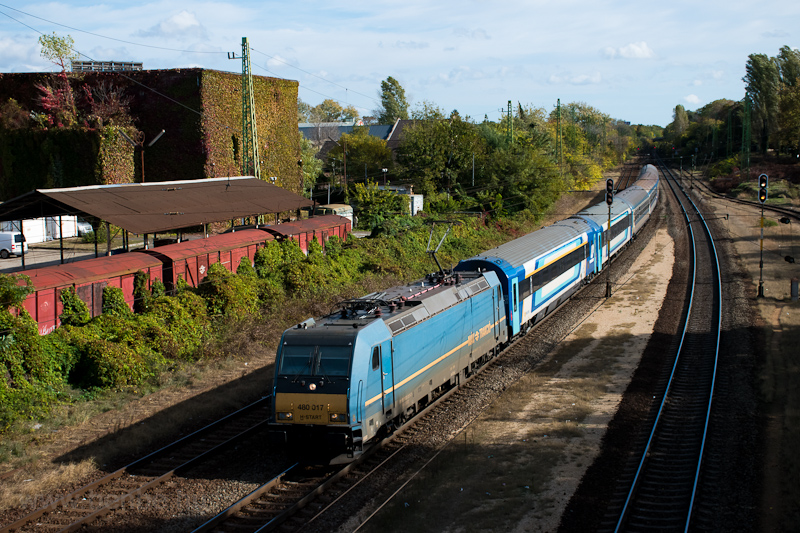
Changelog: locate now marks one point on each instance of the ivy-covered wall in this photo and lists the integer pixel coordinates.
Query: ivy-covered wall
(200, 111)
(45, 159)
(276, 123)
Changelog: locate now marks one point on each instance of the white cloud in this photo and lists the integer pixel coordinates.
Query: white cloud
(697, 82)
(477, 34)
(692, 99)
(579, 79)
(181, 26)
(775, 34)
(717, 74)
(411, 45)
(638, 50)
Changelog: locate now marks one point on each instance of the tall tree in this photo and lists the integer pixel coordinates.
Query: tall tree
(762, 79)
(680, 120)
(789, 66)
(312, 167)
(393, 102)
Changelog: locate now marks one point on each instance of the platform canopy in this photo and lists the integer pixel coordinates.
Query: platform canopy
(159, 206)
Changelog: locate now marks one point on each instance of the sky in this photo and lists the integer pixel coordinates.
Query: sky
(633, 61)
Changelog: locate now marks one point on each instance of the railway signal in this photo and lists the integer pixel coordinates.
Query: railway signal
(609, 191)
(763, 185)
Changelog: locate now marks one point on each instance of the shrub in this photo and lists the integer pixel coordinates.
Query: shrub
(157, 288)
(106, 364)
(74, 312)
(245, 268)
(141, 294)
(114, 303)
(228, 294)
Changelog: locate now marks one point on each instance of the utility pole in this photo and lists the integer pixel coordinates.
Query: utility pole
(251, 163)
(746, 136)
(510, 126)
(559, 147)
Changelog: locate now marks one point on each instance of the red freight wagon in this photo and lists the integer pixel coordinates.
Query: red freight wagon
(88, 277)
(191, 259)
(321, 228)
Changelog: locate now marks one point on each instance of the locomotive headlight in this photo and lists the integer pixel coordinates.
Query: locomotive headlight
(338, 417)
(285, 416)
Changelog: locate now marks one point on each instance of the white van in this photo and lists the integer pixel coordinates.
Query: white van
(343, 210)
(12, 243)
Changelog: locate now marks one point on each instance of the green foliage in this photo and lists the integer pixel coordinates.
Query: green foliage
(393, 102)
(108, 365)
(245, 268)
(268, 260)
(74, 312)
(181, 285)
(114, 303)
(59, 50)
(375, 205)
(227, 294)
(157, 288)
(312, 167)
(14, 288)
(364, 151)
(141, 292)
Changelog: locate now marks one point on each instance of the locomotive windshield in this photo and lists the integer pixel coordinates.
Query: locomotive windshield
(312, 360)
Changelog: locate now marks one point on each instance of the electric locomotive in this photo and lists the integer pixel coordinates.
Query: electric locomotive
(345, 379)
(358, 373)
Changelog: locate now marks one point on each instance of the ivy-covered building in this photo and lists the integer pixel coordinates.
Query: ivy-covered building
(51, 136)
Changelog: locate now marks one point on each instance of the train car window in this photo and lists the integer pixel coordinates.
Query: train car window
(376, 357)
(334, 360)
(296, 360)
(552, 271)
(525, 289)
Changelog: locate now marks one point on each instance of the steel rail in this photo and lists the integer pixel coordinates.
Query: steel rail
(62, 503)
(671, 380)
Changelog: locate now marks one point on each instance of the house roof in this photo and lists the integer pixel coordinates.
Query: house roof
(158, 206)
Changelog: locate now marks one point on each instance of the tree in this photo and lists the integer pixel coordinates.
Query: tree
(312, 167)
(762, 79)
(680, 120)
(303, 111)
(364, 151)
(58, 50)
(58, 99)
(330, 110)
(393, 102)
(789, 66)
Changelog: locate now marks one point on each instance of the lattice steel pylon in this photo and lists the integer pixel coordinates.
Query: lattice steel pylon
(251, 165)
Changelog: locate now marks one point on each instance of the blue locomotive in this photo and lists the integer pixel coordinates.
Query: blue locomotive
(344, 379)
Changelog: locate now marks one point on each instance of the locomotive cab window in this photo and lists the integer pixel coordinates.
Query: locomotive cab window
(311, 360)
(376, 358)
(297, 360)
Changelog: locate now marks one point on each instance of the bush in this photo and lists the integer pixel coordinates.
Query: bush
(227, 294)
(108, 365)
(114, 303)
(74, 312)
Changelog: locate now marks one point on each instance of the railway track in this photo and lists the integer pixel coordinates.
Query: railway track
(115, 490)
(301, 495)
(658, 488)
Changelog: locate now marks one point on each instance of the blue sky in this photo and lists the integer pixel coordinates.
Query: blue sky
(634, 61)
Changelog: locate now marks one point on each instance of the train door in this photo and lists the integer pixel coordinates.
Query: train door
(387, 377)
(515, 307)
(496, 301)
